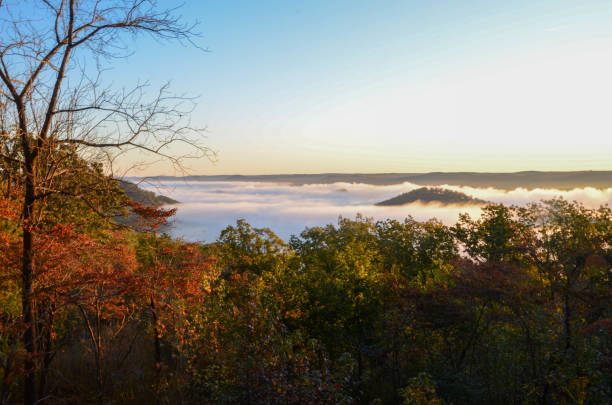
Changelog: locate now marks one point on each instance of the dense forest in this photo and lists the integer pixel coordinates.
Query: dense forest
(511, 307)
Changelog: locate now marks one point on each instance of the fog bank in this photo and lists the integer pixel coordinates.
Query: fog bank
(208, 207)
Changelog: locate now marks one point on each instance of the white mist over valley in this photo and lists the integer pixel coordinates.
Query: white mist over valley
(207, 207)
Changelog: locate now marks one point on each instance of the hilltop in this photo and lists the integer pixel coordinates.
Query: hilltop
(429, 195)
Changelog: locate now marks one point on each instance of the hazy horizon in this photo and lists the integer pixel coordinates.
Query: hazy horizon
(348, 172)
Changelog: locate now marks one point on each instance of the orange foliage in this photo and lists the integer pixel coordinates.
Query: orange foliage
(151, 218)
(80, 269)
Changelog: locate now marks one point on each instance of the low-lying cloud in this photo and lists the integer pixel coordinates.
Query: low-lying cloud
(208, 207)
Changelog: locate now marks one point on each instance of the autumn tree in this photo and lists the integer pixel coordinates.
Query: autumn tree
(174, 279)
(242, 348)
(96, 280)
(52, 56)
(495, 236)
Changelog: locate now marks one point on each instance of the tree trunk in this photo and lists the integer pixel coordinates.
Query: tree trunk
(567, 317)
(157, 361)
(47, 349)
(98, 344)
(157, 343)
(29, 339)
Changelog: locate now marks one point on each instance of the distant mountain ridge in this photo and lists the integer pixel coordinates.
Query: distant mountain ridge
(432, 195)
(503, 181)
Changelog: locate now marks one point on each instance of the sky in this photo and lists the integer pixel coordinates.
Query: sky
(391, 86)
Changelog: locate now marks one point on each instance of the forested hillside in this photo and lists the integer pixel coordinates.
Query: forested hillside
(428, 195)
(512, 307)
(134, 192)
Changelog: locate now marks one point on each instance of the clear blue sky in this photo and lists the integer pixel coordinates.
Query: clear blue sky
(394, 86)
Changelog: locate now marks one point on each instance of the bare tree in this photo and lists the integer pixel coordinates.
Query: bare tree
(54, 105)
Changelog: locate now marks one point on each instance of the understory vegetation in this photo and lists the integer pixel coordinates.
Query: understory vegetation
(512, 307)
